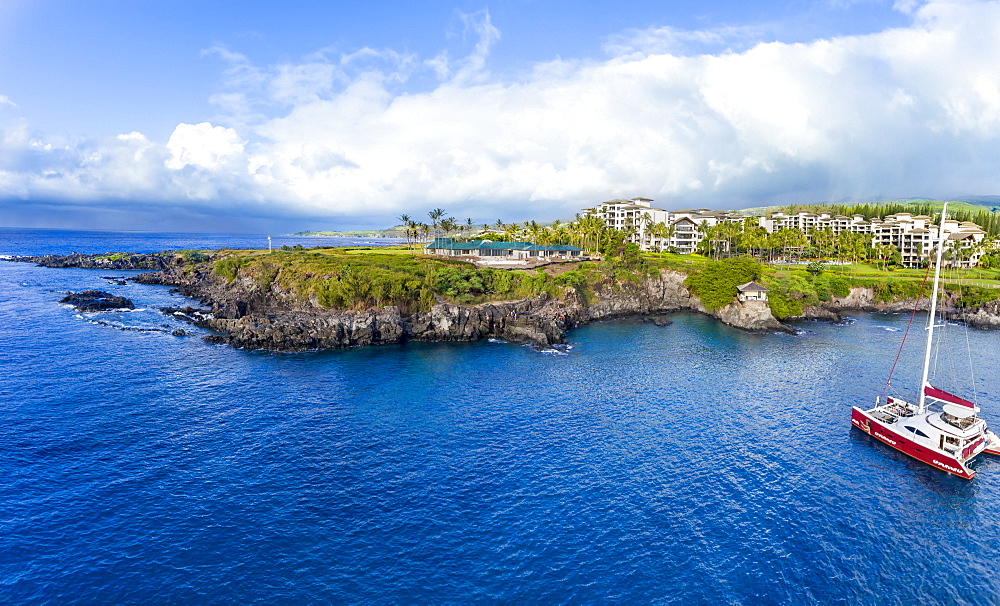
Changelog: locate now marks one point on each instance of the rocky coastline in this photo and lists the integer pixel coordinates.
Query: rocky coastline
(244, 316)
(117, 261)
(247, 318)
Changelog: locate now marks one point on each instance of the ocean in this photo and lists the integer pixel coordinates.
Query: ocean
(691, 463)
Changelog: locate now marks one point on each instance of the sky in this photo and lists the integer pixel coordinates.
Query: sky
(238, 115)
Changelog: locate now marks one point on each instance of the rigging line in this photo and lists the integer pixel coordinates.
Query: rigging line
(920, 295)
(968, 348)
(941, 336)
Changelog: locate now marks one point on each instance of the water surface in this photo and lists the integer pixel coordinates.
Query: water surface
(679, 464)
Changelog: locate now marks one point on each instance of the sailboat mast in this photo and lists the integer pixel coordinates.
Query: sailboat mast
(933, 312)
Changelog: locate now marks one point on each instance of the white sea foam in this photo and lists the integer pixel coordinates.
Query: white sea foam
(555, 350)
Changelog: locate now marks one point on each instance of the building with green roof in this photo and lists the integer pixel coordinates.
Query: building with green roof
(514, 251)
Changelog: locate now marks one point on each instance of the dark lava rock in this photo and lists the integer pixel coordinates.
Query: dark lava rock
(115, 261)
(180, 332)
(198, 317)
(658, 320)
(96, 300)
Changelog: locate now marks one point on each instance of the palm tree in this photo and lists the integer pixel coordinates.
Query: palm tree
(414, 228)
(658, 231)
(644, 222)
(435, 216)
(731, 231)
(510, 230)
(448, 225)
(669, 234)
(405, 220)
(534, 230)
(753, 241)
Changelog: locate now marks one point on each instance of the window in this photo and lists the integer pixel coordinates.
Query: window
(916, 431)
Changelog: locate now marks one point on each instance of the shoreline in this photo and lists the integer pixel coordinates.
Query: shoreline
(252, 318)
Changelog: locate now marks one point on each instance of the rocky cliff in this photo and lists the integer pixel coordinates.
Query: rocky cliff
(864, 299)
(985, 316)
(277, 320)
(751, 315)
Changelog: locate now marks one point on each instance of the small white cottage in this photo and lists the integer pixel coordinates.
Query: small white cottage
(751, 291)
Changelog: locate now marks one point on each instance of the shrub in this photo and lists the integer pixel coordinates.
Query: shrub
(971, 296)
(229, 267)
(503, 281)
(463, 284)
(789, 294)
(887, 291)
(783, 306)
(839, 287)
(716, 284)
(264, 275)
(193, 256)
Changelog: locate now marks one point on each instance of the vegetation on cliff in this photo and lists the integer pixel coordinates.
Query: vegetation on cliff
(716, 282)
(361, 278)
(364, 278)
(793, 288)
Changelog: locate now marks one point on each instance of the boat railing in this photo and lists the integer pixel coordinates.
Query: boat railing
(958, 422)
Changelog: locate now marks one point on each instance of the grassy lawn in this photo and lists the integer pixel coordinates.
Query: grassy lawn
(981, 277)
(684, 263)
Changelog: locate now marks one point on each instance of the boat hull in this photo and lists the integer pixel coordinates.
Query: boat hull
(935, 458)
(993, 446)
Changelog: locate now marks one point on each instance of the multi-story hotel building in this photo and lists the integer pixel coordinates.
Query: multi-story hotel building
(913, 235)
(639, 215)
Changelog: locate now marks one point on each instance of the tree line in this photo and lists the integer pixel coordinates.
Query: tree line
(590, 232)
(985, 218)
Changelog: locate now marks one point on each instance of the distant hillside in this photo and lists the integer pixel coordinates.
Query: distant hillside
(973, 204)
(392, 232)
(990, 202)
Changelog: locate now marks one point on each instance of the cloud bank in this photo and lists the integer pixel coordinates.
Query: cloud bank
(367, 135)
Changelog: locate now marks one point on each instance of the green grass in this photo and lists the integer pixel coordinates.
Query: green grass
(369, 277)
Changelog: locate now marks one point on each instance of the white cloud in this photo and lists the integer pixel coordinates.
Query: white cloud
(669, 40)
(908, 111)
(906, 6)
(203, 146)
(5, 100)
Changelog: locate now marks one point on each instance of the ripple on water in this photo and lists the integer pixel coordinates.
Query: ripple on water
(695, 464)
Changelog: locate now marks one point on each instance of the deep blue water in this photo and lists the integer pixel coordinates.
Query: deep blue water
(691, 463)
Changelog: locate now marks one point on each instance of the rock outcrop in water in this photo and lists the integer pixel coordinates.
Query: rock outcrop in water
(986, 316)
(96, 300)
(751, 315)
(120, 261)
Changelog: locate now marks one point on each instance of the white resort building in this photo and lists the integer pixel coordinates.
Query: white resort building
(657, 229)
(807, 222)
(913, 235)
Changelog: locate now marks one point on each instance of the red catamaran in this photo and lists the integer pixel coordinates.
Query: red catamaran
(941, 429)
